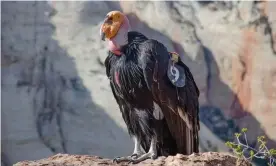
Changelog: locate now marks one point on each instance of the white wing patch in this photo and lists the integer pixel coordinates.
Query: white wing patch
(157, 112)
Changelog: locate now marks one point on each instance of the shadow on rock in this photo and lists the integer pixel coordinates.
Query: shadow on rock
(48, 83)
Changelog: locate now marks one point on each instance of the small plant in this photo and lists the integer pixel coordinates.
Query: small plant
(243, 150)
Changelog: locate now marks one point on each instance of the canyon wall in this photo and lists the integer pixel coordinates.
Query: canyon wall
(56, 97)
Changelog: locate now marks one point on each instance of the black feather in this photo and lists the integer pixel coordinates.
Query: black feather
(142, 76)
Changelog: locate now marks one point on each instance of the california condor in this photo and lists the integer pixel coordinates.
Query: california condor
(155, 91)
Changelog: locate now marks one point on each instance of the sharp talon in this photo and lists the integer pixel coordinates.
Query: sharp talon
(134, 155)
(116, 160)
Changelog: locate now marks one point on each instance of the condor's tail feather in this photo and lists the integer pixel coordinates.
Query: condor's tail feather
(183, 130)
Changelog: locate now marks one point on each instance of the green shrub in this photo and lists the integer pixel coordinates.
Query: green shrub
(243, 150)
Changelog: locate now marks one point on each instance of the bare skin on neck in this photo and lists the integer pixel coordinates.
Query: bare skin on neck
(115, 28)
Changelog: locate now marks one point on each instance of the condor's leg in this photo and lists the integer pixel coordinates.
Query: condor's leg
(136, 152)
(152, 153)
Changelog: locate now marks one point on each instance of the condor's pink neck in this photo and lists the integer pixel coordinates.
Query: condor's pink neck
(120, 39)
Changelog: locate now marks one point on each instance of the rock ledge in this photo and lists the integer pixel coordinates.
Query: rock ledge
(201, 159)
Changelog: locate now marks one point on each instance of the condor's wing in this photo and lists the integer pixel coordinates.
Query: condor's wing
(179, 105)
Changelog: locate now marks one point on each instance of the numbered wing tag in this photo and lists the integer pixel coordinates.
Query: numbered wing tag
(176, 74)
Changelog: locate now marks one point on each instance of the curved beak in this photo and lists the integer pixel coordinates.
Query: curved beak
(102, 36)
(102, 33)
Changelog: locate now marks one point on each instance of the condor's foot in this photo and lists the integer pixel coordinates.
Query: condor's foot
(152, 154)
(137, 152)
(149, 155)
(127, 158)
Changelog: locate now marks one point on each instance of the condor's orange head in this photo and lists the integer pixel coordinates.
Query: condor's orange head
(113, 22)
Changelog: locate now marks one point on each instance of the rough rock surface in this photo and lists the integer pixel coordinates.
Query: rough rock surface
(204, 159)
(56, 97)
